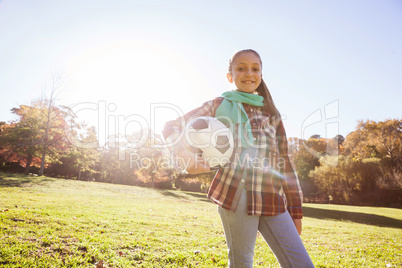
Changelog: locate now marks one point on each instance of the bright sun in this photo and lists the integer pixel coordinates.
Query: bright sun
(127, 77)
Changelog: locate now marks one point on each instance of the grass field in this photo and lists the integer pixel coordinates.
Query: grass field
(46, 222)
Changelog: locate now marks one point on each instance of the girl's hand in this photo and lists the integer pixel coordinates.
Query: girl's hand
(198, 165)
(195, 164)
(298, 224)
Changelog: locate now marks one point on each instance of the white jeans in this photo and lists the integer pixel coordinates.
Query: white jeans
(278, 231)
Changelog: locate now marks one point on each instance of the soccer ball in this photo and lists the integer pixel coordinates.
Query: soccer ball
(212, 137)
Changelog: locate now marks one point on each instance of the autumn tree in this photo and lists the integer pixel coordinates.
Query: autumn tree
(386, 140)
(381, 140)
(2, 157)
(77, 159)
(338, 142)
(25, 139)
(306, 155)
(21, 138)
(339, 181)
(369, 171)
(19, 144)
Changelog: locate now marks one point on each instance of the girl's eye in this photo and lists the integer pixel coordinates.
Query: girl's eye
(256, 69)
(240, 69)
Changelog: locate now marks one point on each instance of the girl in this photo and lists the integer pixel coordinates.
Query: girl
(259, 189)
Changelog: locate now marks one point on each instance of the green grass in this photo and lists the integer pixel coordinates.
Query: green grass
(46, 222)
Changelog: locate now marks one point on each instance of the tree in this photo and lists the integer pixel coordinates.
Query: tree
(86, 157)
(20, 139)
(2, 157)
(50, 116)
(339, 181)
(109, 165)
(369, 170)
(24, 139)
(382, 140)
(153, 163)
(386, 138)
(306, 156)
(339, 140)
(77, 160)
(315, 137)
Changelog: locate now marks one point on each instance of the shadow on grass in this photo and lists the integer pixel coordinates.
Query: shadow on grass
(170, 193)
(199, 196)
(186, 195)
(369, 219)
(10, 180)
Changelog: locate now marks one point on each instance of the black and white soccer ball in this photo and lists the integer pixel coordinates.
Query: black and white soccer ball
(212, 137)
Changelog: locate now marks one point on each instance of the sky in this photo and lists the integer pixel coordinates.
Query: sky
(127, 65)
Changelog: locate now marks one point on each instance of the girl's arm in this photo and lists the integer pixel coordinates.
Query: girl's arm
(290, 182)
(177, 143)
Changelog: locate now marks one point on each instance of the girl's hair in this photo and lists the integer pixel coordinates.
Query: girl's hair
(262, 89)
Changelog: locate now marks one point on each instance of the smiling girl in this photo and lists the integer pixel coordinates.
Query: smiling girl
(264, 198)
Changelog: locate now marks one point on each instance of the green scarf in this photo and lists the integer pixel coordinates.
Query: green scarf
(232, 108)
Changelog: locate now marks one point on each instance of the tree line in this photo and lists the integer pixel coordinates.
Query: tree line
(363, 168)
(47, 139)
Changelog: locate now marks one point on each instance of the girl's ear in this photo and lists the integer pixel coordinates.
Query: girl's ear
(230, 78)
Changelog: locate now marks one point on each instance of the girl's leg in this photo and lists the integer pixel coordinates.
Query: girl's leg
(281, 235)
(240, 232)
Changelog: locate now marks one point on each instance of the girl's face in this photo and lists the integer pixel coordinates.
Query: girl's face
(246, 72)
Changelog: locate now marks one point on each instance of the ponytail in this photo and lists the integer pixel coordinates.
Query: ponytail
(269, 105)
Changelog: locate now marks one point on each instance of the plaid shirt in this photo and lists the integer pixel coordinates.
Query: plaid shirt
(266, 170)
